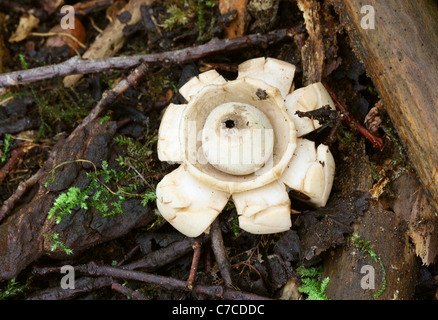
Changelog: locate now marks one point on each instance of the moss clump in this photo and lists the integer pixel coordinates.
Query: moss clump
(312, 283)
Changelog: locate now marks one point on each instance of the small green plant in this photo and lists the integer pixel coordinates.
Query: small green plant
(12, 289)
(192, 8)
(108, 188)
(6, 145)
(68, 201)
(235, 225)
(97, 194)
(367, 248)
(177, 17)
(23, 61)
(200, 7)
(57, 243)
(312, 283)
(104, 119)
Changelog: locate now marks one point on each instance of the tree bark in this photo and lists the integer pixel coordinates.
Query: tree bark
(401, 56)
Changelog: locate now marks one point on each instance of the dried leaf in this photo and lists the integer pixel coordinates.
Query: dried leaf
(78, 33)
(237, 27)
(25, 26)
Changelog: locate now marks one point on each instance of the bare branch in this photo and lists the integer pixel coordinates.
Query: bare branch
(77, 65)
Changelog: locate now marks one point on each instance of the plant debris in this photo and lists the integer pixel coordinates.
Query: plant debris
(79, 120)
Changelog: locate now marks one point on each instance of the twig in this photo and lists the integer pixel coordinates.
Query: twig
(9, 204)
(128, 255)
(218, 247)
(195, 261)
(137, 295)
(249, 265)
(110, 96)
(59, 34)
(348, 119)
(159, 258)
(218, 292)
(429, 184)
(82, 285)
(16, 155)
(77, 65)
(83, 8)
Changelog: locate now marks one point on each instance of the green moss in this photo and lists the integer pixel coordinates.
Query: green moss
(13, 289)
(6, 145)
(57, 243)
(367, 248)
(157, 83)
(177, 17)
(109, 188)
(183, 12)
(58, 106)
(312, 283)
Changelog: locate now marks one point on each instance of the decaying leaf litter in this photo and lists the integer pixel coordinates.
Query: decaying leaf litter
(66, 133)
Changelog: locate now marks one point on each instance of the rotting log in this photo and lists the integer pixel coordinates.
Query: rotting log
(22, 234)
(401, 56)
(398, 229)
(355, 275)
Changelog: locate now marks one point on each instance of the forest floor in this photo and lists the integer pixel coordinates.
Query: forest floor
(79, 167)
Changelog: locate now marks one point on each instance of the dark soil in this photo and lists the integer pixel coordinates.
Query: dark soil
(44, 113)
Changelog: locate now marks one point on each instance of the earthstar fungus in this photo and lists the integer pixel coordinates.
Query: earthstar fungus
(242, 139)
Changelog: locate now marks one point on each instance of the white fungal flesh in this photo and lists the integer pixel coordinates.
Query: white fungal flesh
(169, 146)
(264, 210)
(274, 72)
(193, 195)
(305, 99)
(195, 84)
(241, 91)
(189, 205)
(311, 172)
(237, 138)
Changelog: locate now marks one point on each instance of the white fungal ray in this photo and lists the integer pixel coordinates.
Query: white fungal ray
(311, 172)
(264, 210)
(195, 84)
(188, 204)
(274, 72)
(169, 147)
(216, 165)
(305, 99)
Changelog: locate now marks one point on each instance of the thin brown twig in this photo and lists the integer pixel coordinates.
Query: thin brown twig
(76, 65)
(134, 294)
(195, 262)
(161, 257)
(429, 184)
(128, 255)
(82, 285)
(249, 265)
(16, 155)
(22, 188)
(59, 34)
(218, 292)
(217, 244)
(348, 119)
